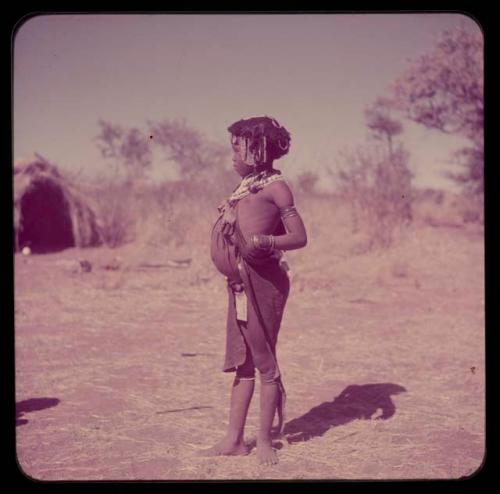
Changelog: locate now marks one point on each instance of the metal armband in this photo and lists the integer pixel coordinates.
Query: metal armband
(263, 242)
(288, 211)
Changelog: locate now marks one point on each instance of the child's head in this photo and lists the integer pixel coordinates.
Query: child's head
(257, 141)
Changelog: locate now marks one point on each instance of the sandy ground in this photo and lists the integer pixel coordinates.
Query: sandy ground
(118, 370)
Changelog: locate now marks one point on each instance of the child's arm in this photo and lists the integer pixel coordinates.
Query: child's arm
(296, 236)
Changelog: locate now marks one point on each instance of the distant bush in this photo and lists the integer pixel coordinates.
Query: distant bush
(170, 213)
(444, 208)
(131, 208)
(305, 183)
(114, 211)
(378, 190)
(375, 179)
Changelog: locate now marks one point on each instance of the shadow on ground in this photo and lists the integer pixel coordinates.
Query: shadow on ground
(33, 405)
(355, 402)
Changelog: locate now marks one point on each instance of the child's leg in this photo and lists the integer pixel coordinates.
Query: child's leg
(232, 443)
(241, 395)
(264, 359)
(269, 396)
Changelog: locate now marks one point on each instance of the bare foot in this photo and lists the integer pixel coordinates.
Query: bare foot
(266, 454)
(226, 447)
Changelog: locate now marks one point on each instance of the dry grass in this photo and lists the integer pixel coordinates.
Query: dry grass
(375, 182)
(172, 213)
(440, 208)
(134, 353)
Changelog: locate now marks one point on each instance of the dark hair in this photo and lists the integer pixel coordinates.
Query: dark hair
(276, 142)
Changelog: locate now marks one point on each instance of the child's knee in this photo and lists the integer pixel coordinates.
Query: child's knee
(245, 372)
(270, 375)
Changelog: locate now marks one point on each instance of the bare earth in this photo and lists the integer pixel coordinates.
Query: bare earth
(118, 370)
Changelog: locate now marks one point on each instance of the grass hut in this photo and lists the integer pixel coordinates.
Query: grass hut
(50, 213)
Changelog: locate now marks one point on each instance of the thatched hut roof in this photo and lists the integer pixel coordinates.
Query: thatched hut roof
(50, 212)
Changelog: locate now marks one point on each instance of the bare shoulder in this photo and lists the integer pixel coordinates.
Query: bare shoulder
(280, 193)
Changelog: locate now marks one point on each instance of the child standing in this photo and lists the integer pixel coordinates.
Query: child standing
(256, 224)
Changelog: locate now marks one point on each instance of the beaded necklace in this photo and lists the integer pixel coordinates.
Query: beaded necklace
(250, 184)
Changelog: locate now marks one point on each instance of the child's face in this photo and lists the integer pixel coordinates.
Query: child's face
(239, 164)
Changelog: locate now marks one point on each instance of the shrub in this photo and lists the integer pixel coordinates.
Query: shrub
(378, 189)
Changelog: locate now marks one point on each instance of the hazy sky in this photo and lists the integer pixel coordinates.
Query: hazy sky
(314, 73)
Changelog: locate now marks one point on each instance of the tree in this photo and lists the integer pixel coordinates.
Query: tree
(185, 146)
(126, 202)
(379, 120)
(375, 179)
(393, 176)
(129, 147)
(196, 158)
(443, 90)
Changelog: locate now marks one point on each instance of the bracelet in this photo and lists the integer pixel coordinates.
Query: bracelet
(254, 240)
(258, 244)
